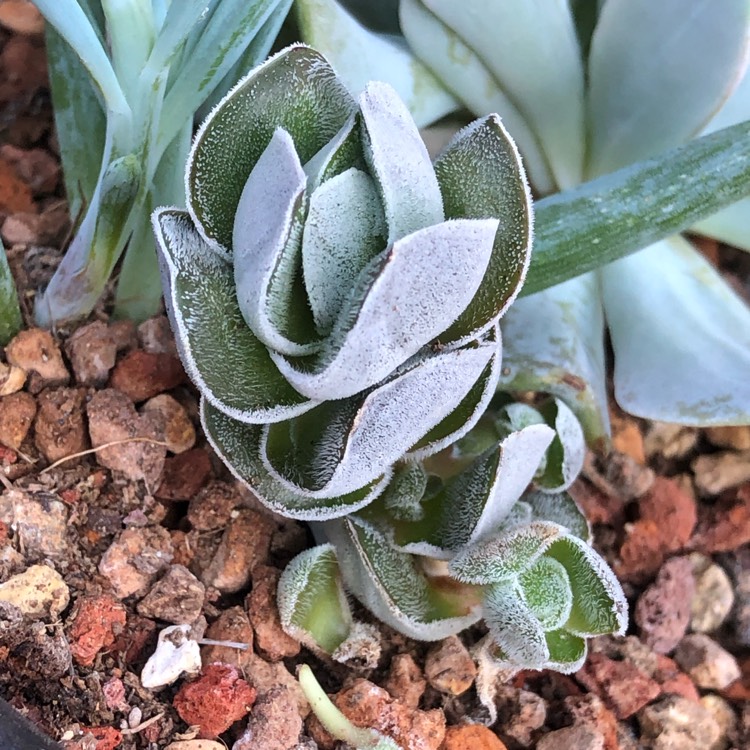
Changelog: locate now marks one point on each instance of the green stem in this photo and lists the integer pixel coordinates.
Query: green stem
(612, 216)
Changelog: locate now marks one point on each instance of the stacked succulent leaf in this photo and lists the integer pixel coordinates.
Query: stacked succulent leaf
(335, 297)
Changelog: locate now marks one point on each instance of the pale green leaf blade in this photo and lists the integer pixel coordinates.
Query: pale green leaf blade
(481, 176)
(560, 509)
(567, 451)
(400, 303)
(344, 230)
(10, 310)
(599, 604)
(464, 73)
(311, 600)
(346, 443)
(531, 48)
(605, 219)
(546, 591)
(567, 652)
(360, 55)
(295, 90)
(267, 238)
(391, 585)
(238, 445)
(554, 343)
(399, 163)
(681, 337)
(230, 366)
(658, 72)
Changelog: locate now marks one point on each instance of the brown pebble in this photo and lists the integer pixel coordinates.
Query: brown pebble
(134, 560)
(35, 166)
(471, 737)
(709, 665)
(40, 525)
(449, 667)
(232, 625)
(735, 437)
(12, 379)
(663, 609)
(724, 525)
(113, 419)
(579, 737)
(92, 350)
(212, 507)
(270, 639)
(244, 545)
(522, 713)
(178, 431)
(405, 681)
(589, 710)
(59, 430)
(35, 351)
(155, 336)
(142, 375)
(22, 17)
(17, 412)
(184, 475)
(274, 724)
(177, 597)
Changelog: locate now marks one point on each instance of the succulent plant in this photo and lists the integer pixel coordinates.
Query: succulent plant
(335, 295)
(585, 88)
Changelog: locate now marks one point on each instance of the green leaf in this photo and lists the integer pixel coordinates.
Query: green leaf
(360, 55)
(399, 163)
(502, 557)
(295, 90)
(481, 176)
(311, 600)
(345, 443)
(567, 652)
(344, 230)
(599, 604)
(612, 216)
(567, 451)
(238, 446)
(513, 626)
(681, 337)
(531, 49)
(392, 586)
(560, 509)
(665, 93)
(10, 311)
(400, 303)
(230, 366)
(463, 71)
(546, 591)
(267, 242)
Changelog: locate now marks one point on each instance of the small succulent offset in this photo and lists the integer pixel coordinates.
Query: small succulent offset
(587, 87)
(334, 294)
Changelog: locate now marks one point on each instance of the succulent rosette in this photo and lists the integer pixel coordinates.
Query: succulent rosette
(334, 294)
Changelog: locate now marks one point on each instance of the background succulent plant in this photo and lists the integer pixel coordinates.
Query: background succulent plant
(335, 295)
(551, 75)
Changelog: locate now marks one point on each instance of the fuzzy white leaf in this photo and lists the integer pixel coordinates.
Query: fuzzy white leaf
(344, 230)
(390, 585)
(658, 72)
(266, 240)
(230, 366)
(566, 454)
(467, 77)
(561, 509)
(681, 337)
(359, 441)
(546, 591)
(238, 445)
(403, 300)
(502, 557)
(399, 162)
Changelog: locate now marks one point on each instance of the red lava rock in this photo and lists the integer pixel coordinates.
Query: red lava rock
(667, 519)
(113, 418)
(184, 475)
(471, 737)
(623, 687)
(137, 639)
(141, 375)
(135, 559)
(449, 667)
(178, 431)
(367, 705)
(214, 701)
(35, 351)
(176, 598)
(114, 694)
(244, 545)
(107, 738)
(96, 623)
(663, 609)
(15, 194)
(405, 681)
(92, 350)
(17, 412)
(725, 525)
(270, 639)
(59, 430)
(36, 167)
(598, 506)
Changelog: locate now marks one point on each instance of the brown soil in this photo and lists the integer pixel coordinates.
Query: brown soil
(117, 521)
